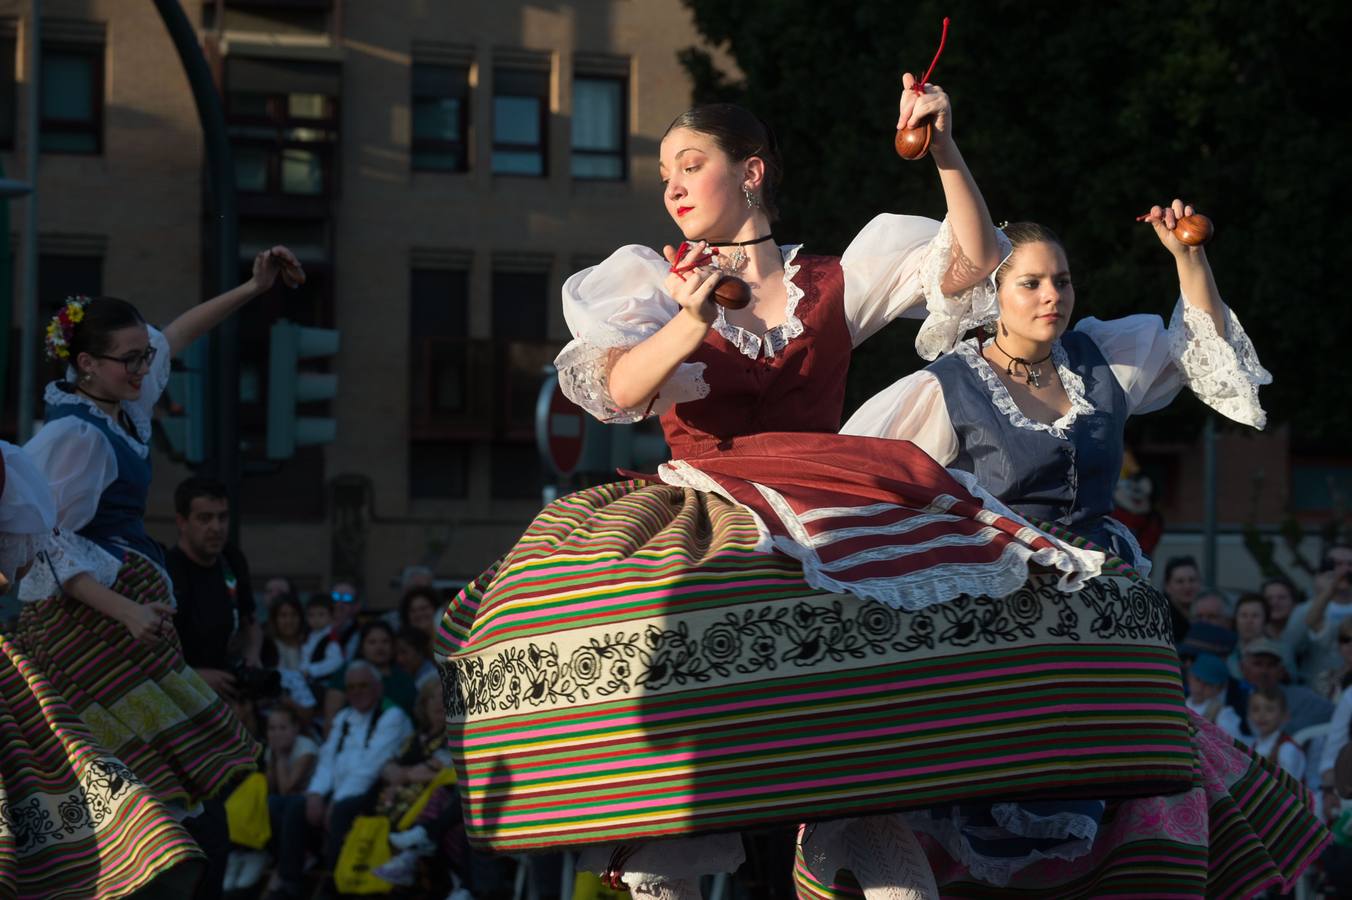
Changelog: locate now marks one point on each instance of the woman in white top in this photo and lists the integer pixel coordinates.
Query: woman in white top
(1035, 412)
(98, 611)
(74, 820)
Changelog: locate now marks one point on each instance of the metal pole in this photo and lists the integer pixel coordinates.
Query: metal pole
(28, 347)
(1209, 503)
(221, 176)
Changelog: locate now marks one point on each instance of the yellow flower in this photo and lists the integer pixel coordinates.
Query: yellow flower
(75, 311)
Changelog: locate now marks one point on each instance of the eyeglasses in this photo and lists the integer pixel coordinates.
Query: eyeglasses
(343, 597)
(136, 363)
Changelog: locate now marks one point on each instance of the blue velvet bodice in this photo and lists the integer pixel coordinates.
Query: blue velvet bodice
(119, 521)
(1063, 475)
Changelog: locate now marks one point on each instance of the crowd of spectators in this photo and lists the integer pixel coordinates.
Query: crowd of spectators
(347, 703)
(1273, 669)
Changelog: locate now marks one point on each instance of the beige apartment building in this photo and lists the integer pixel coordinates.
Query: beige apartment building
(440, 167)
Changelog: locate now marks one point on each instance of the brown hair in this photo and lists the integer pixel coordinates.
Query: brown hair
(1019, 234)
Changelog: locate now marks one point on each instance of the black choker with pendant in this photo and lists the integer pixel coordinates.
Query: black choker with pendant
(1018, 362)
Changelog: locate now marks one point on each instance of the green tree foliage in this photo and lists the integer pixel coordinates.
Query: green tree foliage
(1080, 116)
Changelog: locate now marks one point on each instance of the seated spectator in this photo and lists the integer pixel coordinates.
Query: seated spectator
(413, 653)
(1182, 581)
(1310, 637)
(405, 779)
(1281, 596)
(347, 617)
(1211, 607)
(1250, 625)
(377, 649)
(289, 762)
(320, 656)
(365, 735)
(1207, 683)
(1268, 717)
(284, 635)
(1265, 669)
(421, 608)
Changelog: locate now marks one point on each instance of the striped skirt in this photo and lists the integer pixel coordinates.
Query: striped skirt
(138, 699)
(74, 821)
(1242, 827)
(636, 668)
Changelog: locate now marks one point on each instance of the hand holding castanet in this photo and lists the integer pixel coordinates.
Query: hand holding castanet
(913, 141)
(730, 292)
(1191, 229)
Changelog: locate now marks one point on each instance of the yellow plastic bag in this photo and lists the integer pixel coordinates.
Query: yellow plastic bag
(246, 811)
(588, 886)
(443, 778)
(366, 848)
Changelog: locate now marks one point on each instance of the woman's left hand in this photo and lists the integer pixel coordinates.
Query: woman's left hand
(931, 101)
(1164, 219)
(274, 262)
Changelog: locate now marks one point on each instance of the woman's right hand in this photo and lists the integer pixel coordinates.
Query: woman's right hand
(693, 289)
(147, 621)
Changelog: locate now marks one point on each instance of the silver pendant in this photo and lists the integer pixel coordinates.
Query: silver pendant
(1032, 376)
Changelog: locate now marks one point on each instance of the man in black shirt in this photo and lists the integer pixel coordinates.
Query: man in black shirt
(215, 618)
(215, 622)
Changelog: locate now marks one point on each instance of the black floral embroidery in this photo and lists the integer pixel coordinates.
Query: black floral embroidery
(78, 813)
(768, 636)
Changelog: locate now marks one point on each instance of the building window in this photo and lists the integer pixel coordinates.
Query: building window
(283, 119)
(522, 350)
(440, 118)
(71, 105)
(520, 122)
(598, 127)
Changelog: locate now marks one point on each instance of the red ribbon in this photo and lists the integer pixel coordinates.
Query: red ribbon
(919, 86)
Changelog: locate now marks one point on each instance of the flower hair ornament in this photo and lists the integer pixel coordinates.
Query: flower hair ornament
(61, 329)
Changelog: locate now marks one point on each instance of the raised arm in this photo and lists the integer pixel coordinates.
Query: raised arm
(975, 251)
(1195, 280)
(203, 317)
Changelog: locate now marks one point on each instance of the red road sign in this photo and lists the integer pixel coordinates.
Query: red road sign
(559, 428)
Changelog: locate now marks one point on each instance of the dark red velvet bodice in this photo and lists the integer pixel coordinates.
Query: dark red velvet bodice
(800, 388)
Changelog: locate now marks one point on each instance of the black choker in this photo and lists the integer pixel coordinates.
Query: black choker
(759, 240)
(1029, 373)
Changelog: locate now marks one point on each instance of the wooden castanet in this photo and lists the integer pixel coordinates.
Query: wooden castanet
(732, 292)
(914, 143)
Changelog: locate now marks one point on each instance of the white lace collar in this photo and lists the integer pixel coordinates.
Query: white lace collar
(54, 396)
(777, 338)
(1000, 396)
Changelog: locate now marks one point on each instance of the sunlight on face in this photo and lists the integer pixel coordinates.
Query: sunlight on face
(1036, 294)
(701, 185)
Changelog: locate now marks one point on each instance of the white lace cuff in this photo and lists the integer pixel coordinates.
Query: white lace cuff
(67, 556)
(584, 377)
(1223, 372)
(948, 318)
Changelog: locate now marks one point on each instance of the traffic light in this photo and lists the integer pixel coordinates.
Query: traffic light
(185, 427)
(288, 387)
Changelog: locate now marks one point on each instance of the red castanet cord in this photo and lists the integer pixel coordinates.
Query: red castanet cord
(919, 86)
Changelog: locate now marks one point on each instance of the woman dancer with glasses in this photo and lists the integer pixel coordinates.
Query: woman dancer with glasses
(74, 821)
(98, 611)
(788, 624)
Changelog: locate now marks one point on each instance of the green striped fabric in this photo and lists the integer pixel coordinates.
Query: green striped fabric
(635, 668)
(138, 699)
(74, 821)
(1243, 827)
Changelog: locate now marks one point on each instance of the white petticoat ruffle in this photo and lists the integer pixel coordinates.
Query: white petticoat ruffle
(918, 590)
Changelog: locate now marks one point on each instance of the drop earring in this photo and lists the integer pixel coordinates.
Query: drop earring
(752, 201)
